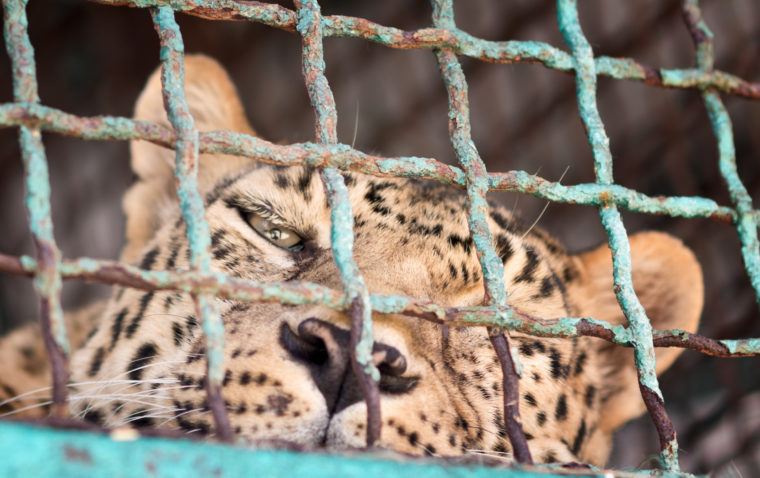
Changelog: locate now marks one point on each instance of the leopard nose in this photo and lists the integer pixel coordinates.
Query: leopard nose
(323, 348)
(323, 344)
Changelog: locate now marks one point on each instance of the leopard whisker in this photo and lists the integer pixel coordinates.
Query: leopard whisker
(29, 407)
(356, 125)
(116, 378)
(505, 456)
(180, 414)
(30, 394)
(546, 206)
(149, 414)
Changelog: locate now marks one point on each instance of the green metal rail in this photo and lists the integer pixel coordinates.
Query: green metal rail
(70, 453)
(74, 454)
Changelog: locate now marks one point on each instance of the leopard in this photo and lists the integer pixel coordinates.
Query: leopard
(138, 356)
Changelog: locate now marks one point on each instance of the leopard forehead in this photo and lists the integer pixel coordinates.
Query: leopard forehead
(392, 218)
(411, 239)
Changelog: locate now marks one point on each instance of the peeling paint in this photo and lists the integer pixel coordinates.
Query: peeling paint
(188, 459)
(47, 280)
(191, 203)
(347, 159)
(640, 327)
(342, 220)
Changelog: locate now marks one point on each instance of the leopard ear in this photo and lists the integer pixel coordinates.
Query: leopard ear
(668, 281)
(214, 104)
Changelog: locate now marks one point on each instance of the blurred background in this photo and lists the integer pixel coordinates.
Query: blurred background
(94, 59)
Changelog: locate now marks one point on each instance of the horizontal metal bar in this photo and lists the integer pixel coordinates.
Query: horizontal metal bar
(72, 454)
(346, 158)
(461, 43)
(301, 293)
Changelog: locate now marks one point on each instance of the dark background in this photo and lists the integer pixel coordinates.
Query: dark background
(94, 59)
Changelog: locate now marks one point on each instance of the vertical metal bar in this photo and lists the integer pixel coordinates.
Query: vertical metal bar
(193, 212)
(477, 210)
(47, 281)
(746, 221)
(643, 347)
(342, 235)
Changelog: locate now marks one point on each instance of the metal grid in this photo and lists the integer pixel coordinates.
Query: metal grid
(447, 42)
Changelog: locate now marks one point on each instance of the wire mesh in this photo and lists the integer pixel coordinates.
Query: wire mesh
(448, 42)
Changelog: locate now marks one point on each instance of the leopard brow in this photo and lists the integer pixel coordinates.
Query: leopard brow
(267, 210)
(254, 205)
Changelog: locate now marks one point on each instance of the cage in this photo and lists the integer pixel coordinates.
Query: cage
(535, 102)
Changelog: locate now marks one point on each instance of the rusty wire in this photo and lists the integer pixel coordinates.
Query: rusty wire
(477, 211)
(47, 280)
(186, 171)
(299, 293)
(448, 42)
(342, 233)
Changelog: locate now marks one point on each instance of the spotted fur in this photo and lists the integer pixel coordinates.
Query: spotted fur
(287, 374)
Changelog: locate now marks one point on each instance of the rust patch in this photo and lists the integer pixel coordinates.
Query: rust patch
(80, 455)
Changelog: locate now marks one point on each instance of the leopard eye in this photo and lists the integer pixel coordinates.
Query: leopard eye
(278, 235)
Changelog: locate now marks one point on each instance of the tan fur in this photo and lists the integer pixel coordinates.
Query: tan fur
(657, 259)
(144, 364)
(153, 165)
(24, 363)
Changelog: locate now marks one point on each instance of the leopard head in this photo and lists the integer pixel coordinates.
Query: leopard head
(287, 368)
